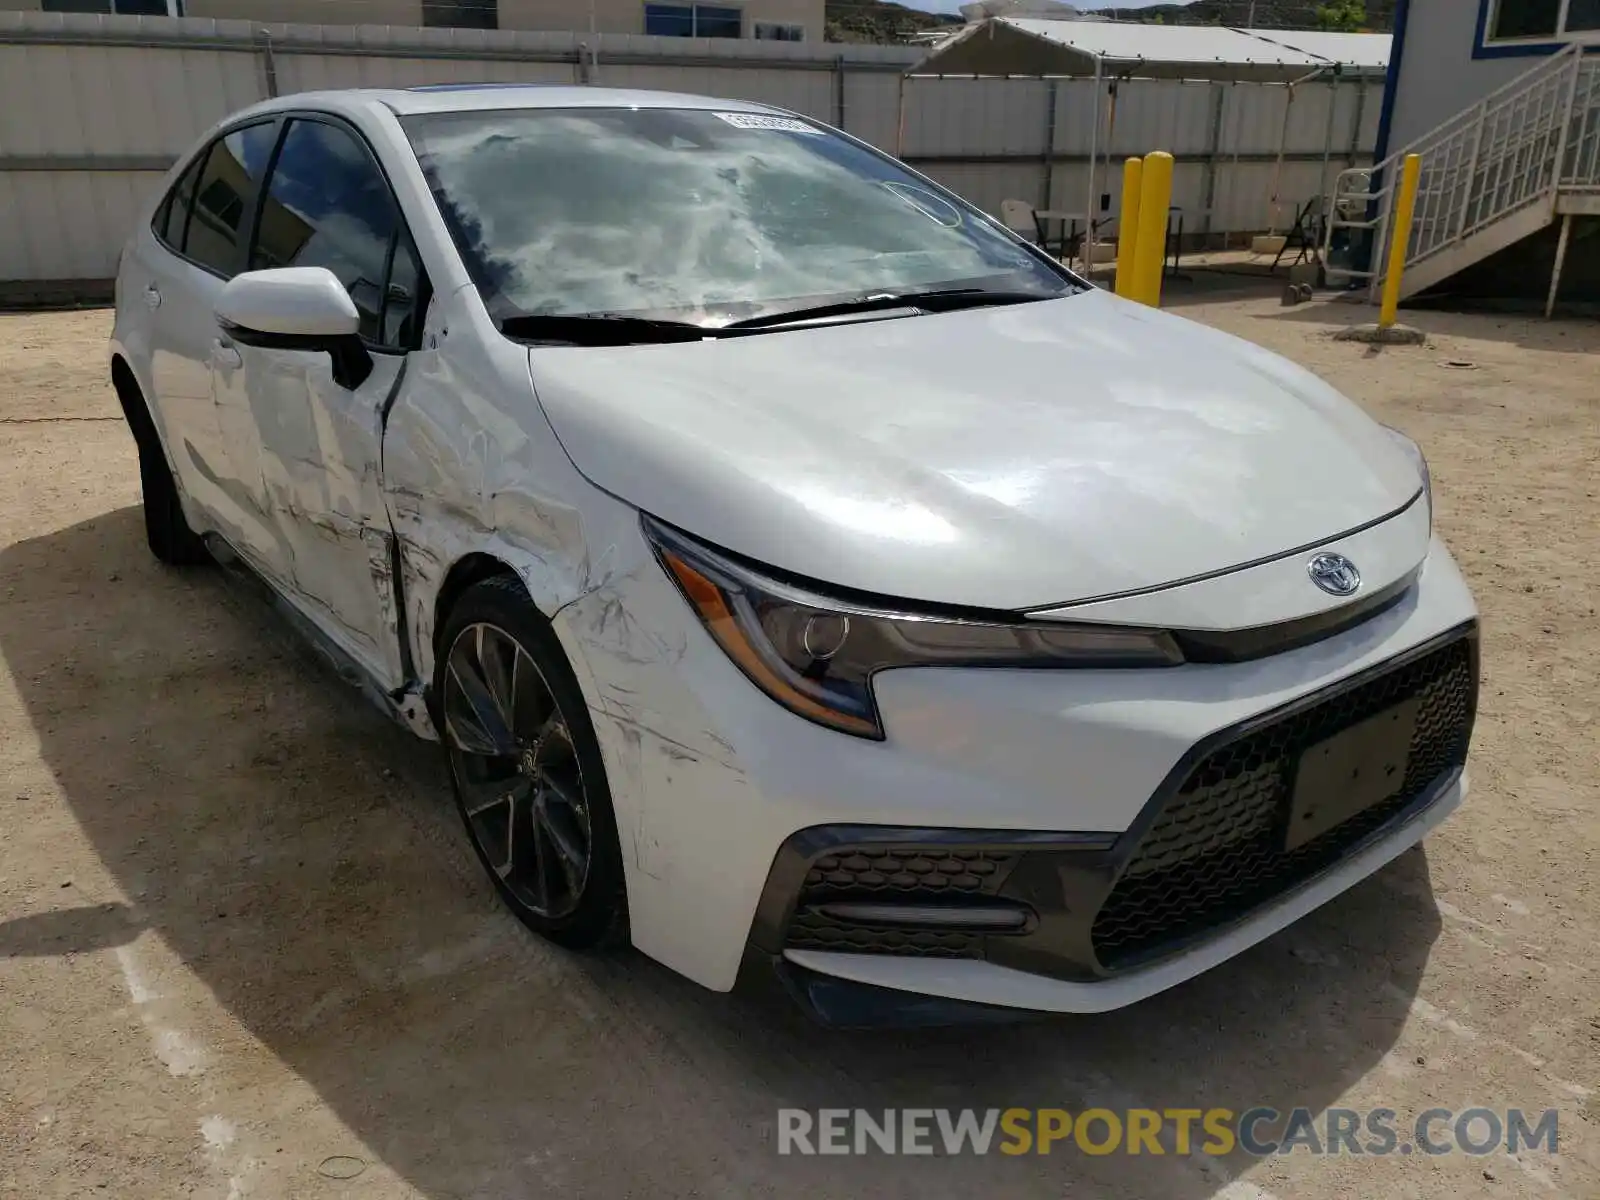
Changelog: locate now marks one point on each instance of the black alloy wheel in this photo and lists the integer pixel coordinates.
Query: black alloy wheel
(526, 767)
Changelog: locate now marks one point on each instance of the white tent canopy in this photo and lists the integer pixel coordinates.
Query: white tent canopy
(1356, 53)
(1038, 47)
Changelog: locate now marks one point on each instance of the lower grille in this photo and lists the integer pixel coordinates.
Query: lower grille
(933, 871)
(897, 874)
(1215, 851)
(812, 930)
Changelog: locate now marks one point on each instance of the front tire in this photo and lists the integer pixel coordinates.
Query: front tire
(166, 529)
(526, 768)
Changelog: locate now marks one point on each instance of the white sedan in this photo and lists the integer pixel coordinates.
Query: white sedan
(802, 573)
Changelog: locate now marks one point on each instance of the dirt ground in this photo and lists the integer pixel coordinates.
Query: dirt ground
(245, 951)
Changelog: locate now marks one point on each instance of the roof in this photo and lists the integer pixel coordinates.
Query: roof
(1131, 42)
(488, 96)
(1038, 46)
(1366, 52)
(466, 97)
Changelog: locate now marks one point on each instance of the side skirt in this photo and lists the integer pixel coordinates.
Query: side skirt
(405, 706)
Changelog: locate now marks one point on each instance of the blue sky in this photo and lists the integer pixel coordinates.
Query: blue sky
(951, 6)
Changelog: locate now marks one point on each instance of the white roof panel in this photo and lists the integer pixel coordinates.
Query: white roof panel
(1131, 42)
(1043, 46)
(1364, 51)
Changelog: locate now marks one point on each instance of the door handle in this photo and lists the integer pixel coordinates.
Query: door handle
(225, 354)
(152, 296)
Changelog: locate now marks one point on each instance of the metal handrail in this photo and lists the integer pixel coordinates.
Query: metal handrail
(1520, 144)
(1570, 51)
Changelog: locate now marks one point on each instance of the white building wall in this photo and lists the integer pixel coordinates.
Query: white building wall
(317, 12)
(627, 16)
(1438, 75)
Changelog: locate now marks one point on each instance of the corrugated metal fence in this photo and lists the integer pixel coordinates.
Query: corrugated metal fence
(93, 110)
(1031, 139)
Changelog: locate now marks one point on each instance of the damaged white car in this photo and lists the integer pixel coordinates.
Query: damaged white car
(802, 573)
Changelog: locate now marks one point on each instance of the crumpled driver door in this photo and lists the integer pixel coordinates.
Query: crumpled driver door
(319, 529)
(311, 446)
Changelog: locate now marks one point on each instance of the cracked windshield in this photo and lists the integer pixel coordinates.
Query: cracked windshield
(697, 215)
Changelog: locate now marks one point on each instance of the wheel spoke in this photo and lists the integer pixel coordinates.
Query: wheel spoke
(569, 854)
(554, 741)
(530, 702)
(560, 789)
(497, 658)
(539, 854)
(462, 720)
(494, 793)
(505, 868)
(475, 720)
(520, 839)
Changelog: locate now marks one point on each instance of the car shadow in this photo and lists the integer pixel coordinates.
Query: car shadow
(300, 856)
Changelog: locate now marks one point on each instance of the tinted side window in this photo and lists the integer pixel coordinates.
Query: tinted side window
(222, 195)
(328, 205)
(173, 218)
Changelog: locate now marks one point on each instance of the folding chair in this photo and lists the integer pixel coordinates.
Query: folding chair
(1305, 234)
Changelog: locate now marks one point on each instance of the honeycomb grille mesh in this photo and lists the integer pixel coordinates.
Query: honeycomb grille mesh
(812, 930)
(899, 869)
(910, 874)
(1215, 851)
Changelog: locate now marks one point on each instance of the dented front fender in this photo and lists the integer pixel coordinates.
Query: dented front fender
(472, 467)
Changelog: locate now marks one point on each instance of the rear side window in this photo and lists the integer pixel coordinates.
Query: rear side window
(222, 196)
(173, 220)
(328, 205)
(207, 216)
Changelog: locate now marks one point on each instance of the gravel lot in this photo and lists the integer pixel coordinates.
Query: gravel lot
(245, 951)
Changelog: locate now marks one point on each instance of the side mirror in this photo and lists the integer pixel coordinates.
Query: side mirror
(297, 308)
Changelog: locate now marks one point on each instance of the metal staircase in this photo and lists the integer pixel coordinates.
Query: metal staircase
(1491, 175)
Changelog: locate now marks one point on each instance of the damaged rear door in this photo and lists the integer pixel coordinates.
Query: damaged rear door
(308, 447)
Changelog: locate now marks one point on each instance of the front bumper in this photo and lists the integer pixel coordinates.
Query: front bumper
(712, 782)
(861, 989)
(1202, 873)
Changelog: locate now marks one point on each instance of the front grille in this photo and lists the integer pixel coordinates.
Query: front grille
(1215, 851)
(898, 873)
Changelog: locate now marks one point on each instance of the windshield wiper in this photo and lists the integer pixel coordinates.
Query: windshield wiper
(935, 300)
(602, 329)
(621, 329)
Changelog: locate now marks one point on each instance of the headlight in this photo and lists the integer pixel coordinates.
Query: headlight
(1414, 451)
(816, 655)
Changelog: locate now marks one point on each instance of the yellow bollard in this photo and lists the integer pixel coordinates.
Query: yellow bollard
(1128, 226)
(1400, 239)
(1150, 252)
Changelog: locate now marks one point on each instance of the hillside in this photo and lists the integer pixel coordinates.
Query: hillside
(878, 21)
(1269, 14)
(881, 21)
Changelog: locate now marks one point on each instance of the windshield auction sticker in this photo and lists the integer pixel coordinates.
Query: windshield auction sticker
(764, 121)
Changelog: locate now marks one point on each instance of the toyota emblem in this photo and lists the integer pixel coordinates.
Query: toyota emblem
(1334, 574)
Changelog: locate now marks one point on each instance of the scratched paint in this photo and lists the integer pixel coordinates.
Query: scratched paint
(306, 454)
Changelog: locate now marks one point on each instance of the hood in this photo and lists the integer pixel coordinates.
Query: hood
(1017, 457)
